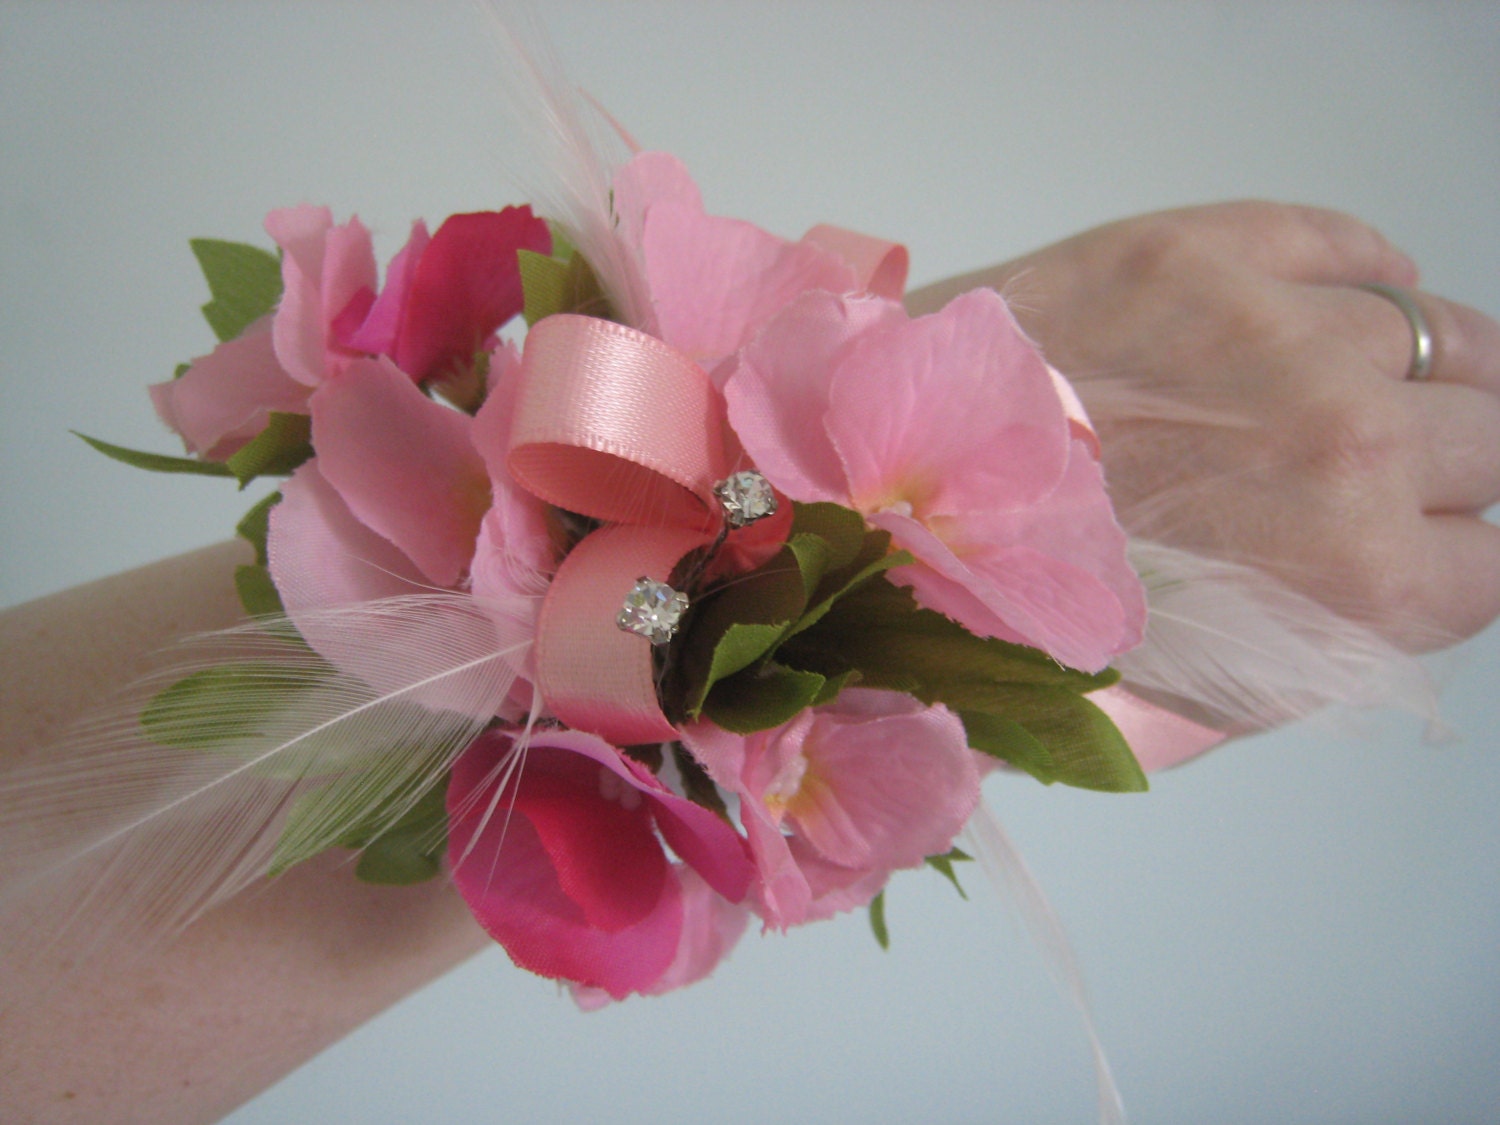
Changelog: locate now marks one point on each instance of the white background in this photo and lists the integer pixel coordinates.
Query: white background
(1301, 928)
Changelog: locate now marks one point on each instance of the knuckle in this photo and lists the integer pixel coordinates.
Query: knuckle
(1354, 445)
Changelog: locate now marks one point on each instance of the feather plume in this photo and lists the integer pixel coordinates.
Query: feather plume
(1249, 653)
(1016, 886)
(564, 150)
(245, 752)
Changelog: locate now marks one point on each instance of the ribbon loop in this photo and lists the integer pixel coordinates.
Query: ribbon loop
(593, 676)
(617, 425)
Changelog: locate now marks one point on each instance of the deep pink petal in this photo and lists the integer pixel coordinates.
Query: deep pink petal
(777, 393)
(467, 284)
(225, 398)
(404, 465)
(567, 877)
(377, 334)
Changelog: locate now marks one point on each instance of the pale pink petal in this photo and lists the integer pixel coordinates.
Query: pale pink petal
(1014, 593)
(713, 281)
(377, 335)
(323, 267)
(321, 556)
(948, 413)
(777, 393)
(711, 926)
(404, 465)
(225, 398)
(885, 792)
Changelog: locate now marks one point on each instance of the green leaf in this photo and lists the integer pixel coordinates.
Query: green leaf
(877, 921)
(557, 284)
(1079, 744)
(245, 282)
(398, 859)
(258, 594)
(739, 625)
(1009, 741)
(158, 462)
(217, 706)
(284, 444)
(762, 697)
(255, 525)
(842, 529)
(944, 865)
(877, 629)
(397, 849)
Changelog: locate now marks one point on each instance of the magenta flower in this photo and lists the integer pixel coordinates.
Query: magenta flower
(558, 851)
(948, 432)
(841, 796)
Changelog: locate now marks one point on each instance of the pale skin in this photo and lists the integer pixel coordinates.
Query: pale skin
(1359, 488)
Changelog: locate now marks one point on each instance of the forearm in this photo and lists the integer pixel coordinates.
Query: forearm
(191, 1030)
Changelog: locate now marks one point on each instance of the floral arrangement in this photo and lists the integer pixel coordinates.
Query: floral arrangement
(711, 601)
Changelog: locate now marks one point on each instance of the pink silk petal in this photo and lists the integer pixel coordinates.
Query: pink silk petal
(777, 392)
(952, 413)
(377, 334)
(226, 397)
(880, 267)
(711, 926)
(300, 327)
(520, 881)
(884, 793)
(1159, 738)
(404, 465)
(1019, 595)
(592, 675)
(466, 284)
(616, 425)
(349, 277)
(321, 556)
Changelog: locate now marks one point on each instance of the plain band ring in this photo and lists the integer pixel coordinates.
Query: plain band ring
(1422, 349)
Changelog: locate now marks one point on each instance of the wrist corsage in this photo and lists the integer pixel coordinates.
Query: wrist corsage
(715, 595)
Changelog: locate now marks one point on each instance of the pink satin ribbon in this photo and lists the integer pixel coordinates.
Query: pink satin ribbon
(613, 424)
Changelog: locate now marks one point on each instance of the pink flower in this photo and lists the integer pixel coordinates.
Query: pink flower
(713, 281)
(840, 797)
(445, 297)
(948, 432)
(555, 849)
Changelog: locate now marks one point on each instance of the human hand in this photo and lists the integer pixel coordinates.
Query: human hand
(1252, 404)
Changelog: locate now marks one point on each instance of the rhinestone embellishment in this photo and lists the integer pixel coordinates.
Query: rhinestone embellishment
(653, 610)
(747, 496)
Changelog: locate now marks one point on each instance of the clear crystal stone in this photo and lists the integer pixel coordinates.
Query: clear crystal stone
(747, 496)
(653, 610)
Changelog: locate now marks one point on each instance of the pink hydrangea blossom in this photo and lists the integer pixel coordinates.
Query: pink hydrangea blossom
(841, 796)
(948, 432)
(713, 281)
(558, 851)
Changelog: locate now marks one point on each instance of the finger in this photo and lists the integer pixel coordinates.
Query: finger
(1460, 594)
(1457, 442)
(1465, 342)
(1313, 245)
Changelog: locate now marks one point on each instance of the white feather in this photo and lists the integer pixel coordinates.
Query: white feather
(165, 805)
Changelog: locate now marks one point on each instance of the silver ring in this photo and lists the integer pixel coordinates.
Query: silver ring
(1422, 349)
